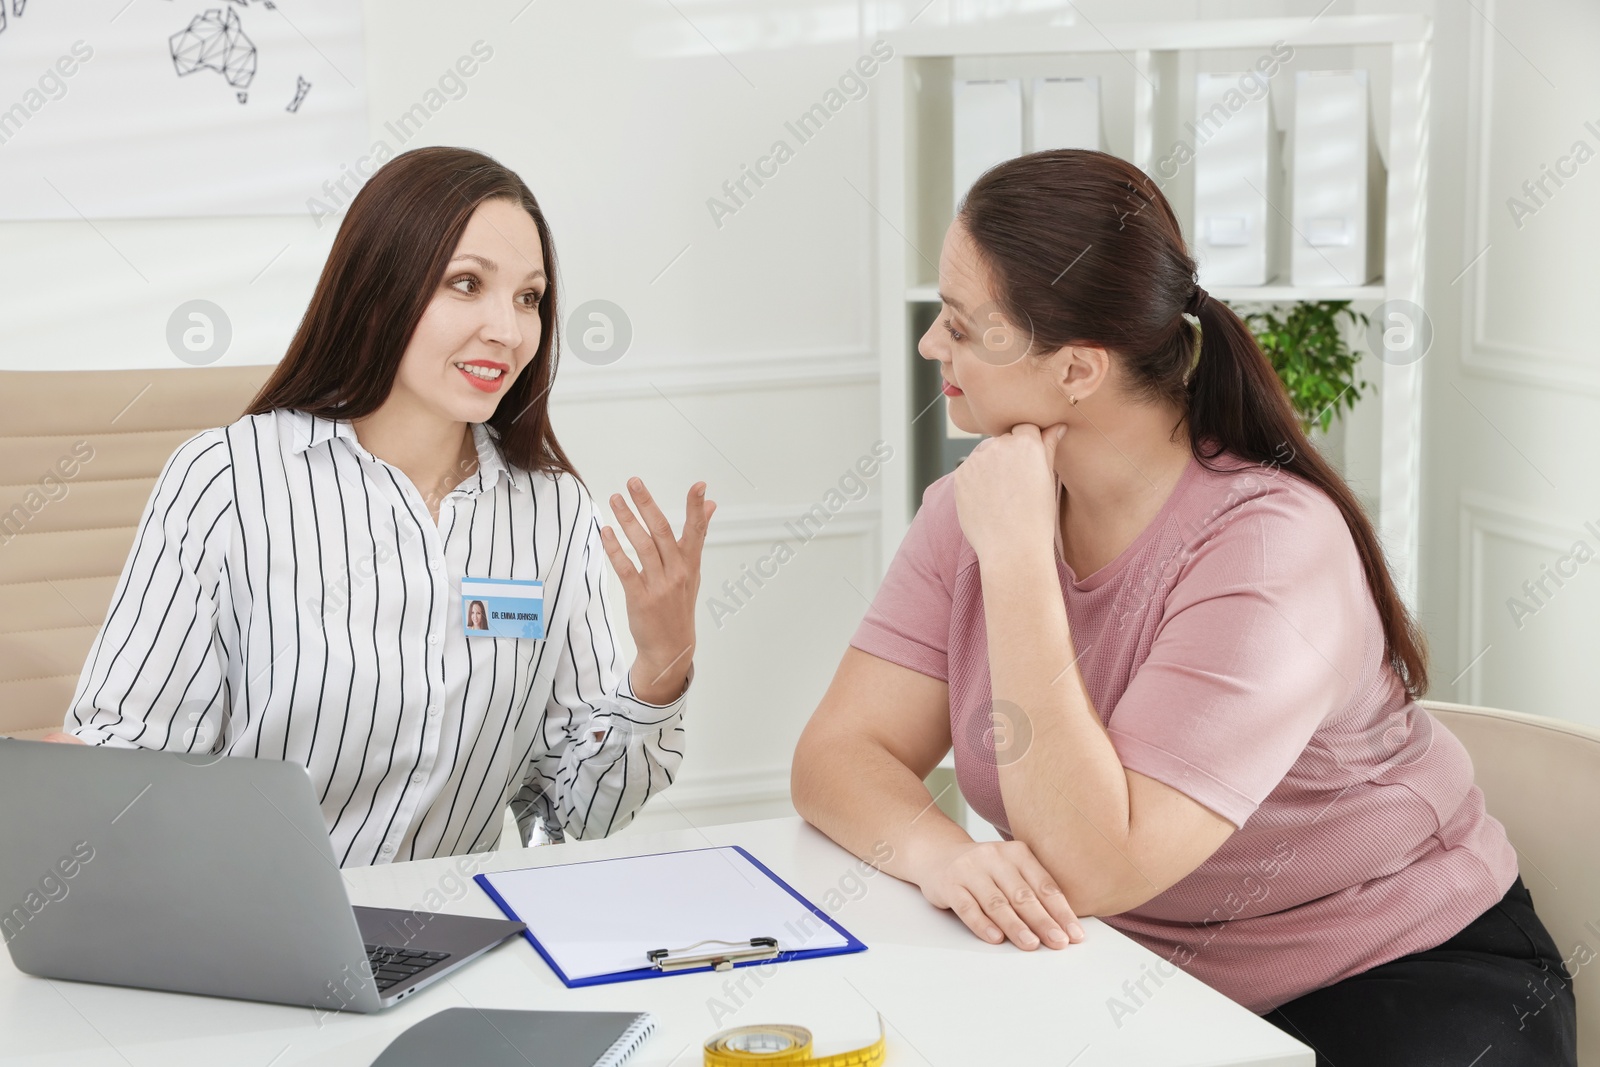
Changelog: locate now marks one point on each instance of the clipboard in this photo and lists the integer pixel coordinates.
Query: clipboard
(597, 922)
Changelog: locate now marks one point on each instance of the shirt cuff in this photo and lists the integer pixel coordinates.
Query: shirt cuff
(897, 648)
(625, 694)
(625, 714)
(1198, 785)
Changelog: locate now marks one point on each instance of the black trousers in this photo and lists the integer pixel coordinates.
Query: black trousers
(1497, 994)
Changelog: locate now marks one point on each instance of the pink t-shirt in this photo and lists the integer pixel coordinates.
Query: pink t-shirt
(1234, 653)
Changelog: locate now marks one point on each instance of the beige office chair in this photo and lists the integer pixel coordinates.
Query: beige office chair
(1541, 778)
(79, 454)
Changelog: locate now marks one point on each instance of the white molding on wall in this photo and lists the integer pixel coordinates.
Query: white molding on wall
(1524, 365)
(1482, 355)
(715, 798)
(755, 373)
(736, 796)
(1483, 515)
(747, 524)
(763, 525)
(1019, 36)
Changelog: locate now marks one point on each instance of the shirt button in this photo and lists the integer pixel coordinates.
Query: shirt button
(433, 639)
(433, 709)
(387, 849)
(434, 564)
(416, 779)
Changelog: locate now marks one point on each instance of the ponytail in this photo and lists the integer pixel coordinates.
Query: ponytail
(1235, 401)
(1130, 294)
(1237, 404)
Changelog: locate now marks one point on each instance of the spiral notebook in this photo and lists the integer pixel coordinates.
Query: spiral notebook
(617, 920)
(502, 1038)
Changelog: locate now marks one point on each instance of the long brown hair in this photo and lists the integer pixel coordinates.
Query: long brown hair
(389, 255)
(1128, 277)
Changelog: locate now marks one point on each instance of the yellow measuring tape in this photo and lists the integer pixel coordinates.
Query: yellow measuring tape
(781, 1044)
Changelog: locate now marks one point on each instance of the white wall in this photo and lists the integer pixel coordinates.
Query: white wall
(1513, 393)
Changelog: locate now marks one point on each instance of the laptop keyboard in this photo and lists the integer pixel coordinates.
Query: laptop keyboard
(391, 966)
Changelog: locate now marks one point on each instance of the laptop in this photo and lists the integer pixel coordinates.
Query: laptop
(194, 874)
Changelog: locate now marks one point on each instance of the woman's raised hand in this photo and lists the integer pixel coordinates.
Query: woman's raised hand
(661, 591)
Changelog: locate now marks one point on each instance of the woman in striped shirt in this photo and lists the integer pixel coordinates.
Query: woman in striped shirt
(294, 591)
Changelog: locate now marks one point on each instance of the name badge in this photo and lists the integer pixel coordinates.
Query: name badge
(502, 607)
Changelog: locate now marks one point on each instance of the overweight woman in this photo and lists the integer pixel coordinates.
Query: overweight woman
(295, 588)
(1159, 633)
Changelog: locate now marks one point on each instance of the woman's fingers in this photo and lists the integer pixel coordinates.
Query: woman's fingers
(1002, 892)
(643, 544)
(696, 521)
(968, 910)
(1050, 900)
(1028, 901)
(997, 906)
(655, 520)
(65, 739)
(619, 559)
(1025, 902)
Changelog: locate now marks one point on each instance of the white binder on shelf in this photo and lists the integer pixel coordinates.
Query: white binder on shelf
(1237, 180)
(1066, 113)
(1337, 182)
(986, 128)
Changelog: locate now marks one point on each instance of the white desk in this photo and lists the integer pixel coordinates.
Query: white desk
(947, 998)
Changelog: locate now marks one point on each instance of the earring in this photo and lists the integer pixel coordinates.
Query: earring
(1074, 398)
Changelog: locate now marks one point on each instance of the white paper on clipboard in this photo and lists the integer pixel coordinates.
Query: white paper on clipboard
(602, 917)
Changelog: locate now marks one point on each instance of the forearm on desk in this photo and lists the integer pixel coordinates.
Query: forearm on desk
(870, 803)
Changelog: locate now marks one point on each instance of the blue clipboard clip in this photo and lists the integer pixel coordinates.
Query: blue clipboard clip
(757, 948)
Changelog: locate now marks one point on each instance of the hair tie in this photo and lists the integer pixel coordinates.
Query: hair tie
(1194, 360)
(1197, 300)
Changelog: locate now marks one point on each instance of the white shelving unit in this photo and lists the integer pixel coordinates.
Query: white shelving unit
(1147, 74)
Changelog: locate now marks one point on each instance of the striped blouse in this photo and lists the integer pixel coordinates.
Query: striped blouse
(289, 596)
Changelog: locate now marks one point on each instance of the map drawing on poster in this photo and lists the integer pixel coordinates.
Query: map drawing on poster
(182, 108)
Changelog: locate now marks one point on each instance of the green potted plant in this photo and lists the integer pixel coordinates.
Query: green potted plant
(1310, 354)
